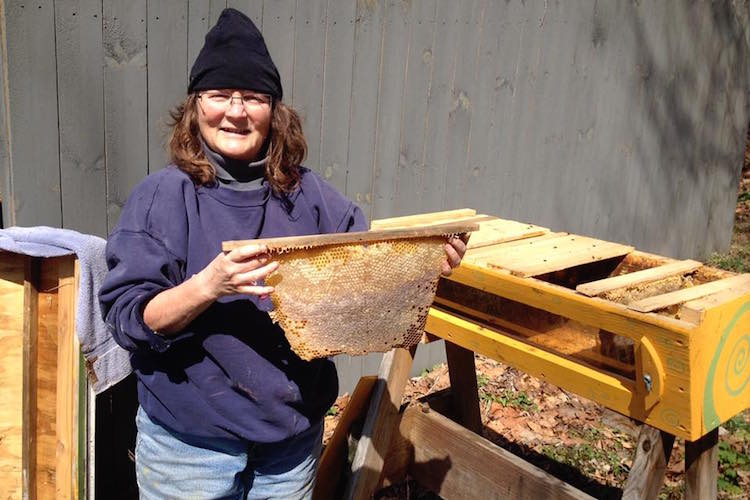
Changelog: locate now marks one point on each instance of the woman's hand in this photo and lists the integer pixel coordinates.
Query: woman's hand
(454, 251)
(238, 272)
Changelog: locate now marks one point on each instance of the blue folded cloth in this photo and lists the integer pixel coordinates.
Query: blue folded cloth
(107, 362)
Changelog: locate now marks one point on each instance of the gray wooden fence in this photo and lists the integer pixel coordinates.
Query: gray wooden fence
(620, 119)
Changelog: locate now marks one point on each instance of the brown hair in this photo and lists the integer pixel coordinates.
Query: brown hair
(286, 151)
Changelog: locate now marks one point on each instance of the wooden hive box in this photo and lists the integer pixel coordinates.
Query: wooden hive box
(42, 379)
(664, 341)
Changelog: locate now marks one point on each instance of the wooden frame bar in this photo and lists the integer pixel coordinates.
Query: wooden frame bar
(317, 240)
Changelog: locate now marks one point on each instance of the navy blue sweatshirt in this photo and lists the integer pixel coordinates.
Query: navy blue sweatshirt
(230, 373)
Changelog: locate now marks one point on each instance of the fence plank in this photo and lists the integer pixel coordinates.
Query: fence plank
(309, 61)
(278, 31)
(439, 105)
(125, 100)
(32, 84)
(366, 71)
(390, 104)
(337, 84)
(167, 72)
(420, 60)
(460, 116)
(78, 29)
(251, 8)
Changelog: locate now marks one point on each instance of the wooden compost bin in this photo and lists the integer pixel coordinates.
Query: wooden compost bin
(42, 451)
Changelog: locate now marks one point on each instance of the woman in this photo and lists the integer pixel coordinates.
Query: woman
(227, 410)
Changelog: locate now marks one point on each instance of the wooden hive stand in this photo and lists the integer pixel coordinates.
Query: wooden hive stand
(42, 450)
(656, 339)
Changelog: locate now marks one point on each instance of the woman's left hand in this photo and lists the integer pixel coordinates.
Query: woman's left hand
(454, 251)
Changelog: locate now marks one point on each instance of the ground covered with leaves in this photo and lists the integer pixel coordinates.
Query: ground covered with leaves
(573, 438)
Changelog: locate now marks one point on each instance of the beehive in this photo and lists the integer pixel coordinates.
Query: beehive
(661, 340)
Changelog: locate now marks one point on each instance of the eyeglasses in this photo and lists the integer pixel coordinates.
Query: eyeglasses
(222, 101)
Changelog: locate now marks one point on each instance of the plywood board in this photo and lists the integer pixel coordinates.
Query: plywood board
(679, 296)
(556, 254)
(598, 287)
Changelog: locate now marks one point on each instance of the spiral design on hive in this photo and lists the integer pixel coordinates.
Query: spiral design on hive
(738, 373)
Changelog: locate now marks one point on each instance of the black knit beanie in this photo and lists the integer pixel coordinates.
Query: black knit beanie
(234, 56)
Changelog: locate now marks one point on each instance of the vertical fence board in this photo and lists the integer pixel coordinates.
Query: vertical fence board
(482, 180)
(337, 83)
(251, 8)
(390, 107)
(167, 74)
(32, 113)
(367, 67)
(278, 32)
(445, 52)
(78, 27)
(198, 25)
(7, 217)
(463, 104)
(419, 65)
(309, 59)
(214, 10)
(125, 99)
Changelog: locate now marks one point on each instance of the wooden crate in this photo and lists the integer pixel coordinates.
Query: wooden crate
(661, 340)
(41, 375)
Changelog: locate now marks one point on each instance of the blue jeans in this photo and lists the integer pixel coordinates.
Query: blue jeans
(174, 465)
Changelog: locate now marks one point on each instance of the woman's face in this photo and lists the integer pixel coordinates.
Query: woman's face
(234, 123)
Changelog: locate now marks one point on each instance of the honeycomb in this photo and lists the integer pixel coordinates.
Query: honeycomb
(355, 298)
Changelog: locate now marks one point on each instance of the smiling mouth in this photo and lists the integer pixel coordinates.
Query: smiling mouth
(236, 131)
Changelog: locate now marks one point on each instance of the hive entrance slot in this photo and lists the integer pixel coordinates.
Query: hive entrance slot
(554, 333)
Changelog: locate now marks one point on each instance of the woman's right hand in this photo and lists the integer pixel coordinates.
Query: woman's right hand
(238, 272)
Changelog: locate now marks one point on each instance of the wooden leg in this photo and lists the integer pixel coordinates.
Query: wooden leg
(464, 388)
(651, 457)
(380, 423)
(702, 467)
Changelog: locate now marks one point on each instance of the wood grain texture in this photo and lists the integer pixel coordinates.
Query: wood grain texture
(409, 196)
(279, 20)
(167, 72)
(646, 475)
(637, 278)
(369, 26)
(686, 294)
(32, 107)
(380, 423)
(47, 380)
(317, 240)
(702, 467)
(333, 459)
(463, 377)
(12, 326)
(454, 462)
(306, 86)
(333, 163)
(66, 418)
(125, 101)
(390, 107)
(79, 52)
